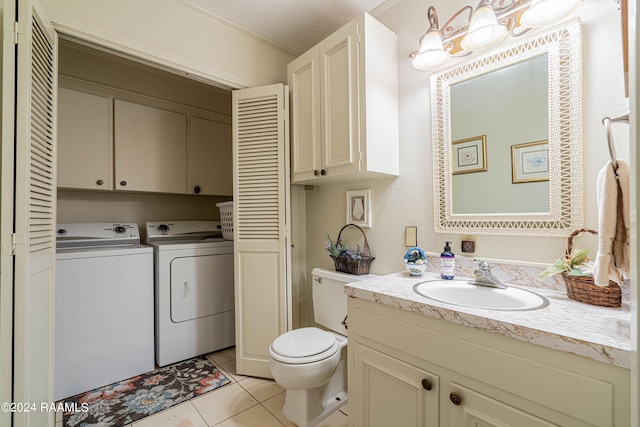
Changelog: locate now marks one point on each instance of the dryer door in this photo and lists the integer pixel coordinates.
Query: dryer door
(201, 286)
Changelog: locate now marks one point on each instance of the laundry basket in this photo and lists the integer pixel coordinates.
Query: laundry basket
(226, 219)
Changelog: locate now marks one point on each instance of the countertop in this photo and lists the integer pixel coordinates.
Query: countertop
(599, 333)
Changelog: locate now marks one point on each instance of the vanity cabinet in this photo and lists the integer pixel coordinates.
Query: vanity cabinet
(344, 106)
(85, 140)
(150, 148)
(210, 158)
(391, 392)
(423, 371)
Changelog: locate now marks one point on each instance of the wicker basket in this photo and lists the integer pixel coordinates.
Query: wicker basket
(226, 219)
(583, 288)
(351, 265)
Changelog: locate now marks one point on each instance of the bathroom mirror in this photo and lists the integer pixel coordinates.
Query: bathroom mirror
(507, 138)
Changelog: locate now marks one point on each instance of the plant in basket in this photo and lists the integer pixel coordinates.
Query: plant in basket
(575, 264)
(577, 271)
(353, 261)
(338, 248)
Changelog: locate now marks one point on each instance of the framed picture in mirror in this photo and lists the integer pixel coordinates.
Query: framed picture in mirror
(530, 162)
(470, 155)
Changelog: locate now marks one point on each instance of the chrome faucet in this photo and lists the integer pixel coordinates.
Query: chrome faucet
(484, 276)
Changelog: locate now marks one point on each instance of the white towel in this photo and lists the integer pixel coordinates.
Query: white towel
(613, 221)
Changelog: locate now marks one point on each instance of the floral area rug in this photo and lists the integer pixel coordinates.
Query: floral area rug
(124, 402)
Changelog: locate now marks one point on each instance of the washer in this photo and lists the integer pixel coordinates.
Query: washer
(193, 288)
(104, 306)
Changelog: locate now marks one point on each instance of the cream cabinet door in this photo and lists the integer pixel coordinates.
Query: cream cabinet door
(470, 408)
(210, 158)
(150, 148)
(304, 83)
(85, 154)
(384, 391)
(340, 113)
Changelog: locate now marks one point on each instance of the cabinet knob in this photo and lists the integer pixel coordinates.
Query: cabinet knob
(99, 182)
(426, 384)
(123, 183)
(315, 172)
(455, 399)
(196, 189)
(323, 172)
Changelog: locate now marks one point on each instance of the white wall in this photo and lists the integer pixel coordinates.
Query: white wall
(407, 200)
(175, 35)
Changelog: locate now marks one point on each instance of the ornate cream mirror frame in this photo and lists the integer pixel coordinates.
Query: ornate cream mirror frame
(563, 46)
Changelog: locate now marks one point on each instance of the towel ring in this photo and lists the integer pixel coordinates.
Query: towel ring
(624, 118)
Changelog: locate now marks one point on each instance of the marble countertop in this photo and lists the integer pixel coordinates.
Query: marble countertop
(600, 333)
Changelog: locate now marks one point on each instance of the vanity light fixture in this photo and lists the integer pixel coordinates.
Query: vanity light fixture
(485, 27)
(431, 53)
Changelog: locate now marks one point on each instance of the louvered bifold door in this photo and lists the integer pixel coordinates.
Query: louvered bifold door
(35, 195)
(261, 224)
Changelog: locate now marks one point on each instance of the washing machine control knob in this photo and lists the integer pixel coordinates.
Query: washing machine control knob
(119, 229)
(163, 228)
(62, 232)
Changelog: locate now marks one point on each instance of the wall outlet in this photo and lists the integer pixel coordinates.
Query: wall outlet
(468, 244)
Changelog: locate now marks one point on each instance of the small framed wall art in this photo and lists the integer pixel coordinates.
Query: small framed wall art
(470, 155)
(530, 162)
(359, 208)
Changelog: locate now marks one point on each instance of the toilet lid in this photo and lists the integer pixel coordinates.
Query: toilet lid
(305, 343)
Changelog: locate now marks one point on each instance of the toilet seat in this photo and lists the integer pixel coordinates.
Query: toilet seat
(304, 345)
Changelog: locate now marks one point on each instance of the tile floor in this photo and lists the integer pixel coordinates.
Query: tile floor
(246, 402)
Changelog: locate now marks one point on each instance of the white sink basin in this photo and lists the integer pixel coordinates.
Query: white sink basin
(459, 292)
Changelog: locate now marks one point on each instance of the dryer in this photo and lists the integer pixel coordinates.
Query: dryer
(194, 290)
(104, 306)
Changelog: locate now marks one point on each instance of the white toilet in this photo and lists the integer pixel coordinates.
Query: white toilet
(311, 363)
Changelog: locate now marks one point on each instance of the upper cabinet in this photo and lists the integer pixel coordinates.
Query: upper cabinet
(344, 106)
(150, 148)
(210, 158)
(85, 150)
(108, 143)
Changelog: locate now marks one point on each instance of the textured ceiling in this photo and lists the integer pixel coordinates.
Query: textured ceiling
(296, 25)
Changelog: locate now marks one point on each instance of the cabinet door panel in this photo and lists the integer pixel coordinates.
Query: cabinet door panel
(210, 158)
(391, 392)
(339, 83)
(305, 117)
(150, 148)
(478, 410)
(85, 155)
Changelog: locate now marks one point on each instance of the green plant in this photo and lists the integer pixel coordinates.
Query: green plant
(338, 248)
(577, 264)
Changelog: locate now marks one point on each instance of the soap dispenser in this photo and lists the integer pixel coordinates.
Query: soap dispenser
(447, 263)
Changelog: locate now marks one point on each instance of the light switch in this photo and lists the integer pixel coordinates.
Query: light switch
(411, 236)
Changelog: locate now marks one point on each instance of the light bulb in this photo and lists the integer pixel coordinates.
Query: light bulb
(543, 13)
(431, 53)
(484, 30)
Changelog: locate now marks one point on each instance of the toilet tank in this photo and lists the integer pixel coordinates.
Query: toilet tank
(329, 299)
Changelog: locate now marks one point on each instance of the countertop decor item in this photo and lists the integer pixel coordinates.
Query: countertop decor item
(577, 272)
(415, 261)
(348, 260)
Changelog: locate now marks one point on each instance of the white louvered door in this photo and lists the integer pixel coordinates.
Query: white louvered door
(35, 203)
(261, 224)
